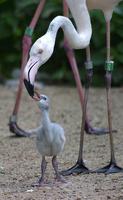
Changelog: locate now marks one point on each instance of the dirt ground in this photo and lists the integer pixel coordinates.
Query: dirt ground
(20, 161)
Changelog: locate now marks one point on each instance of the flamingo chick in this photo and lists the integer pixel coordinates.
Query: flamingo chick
(50, 140)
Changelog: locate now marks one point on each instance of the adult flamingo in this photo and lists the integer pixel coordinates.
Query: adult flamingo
(26, 44)
(107, 6)
(42, 50)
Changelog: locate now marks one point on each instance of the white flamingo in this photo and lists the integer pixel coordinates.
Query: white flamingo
(26, 44)
(50, 140)
(43, 48)
(107, 6)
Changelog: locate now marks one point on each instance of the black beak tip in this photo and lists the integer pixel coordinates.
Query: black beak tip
(29, 87)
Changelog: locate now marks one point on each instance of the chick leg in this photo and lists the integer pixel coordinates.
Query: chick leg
(55, 166)
(43, 169)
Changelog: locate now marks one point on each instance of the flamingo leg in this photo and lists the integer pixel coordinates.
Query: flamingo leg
(26, 44)
(112, 167)
(55, 166)
(72, 60)
(89, 67)
(43, 169)
(90, 129)
(80, 167)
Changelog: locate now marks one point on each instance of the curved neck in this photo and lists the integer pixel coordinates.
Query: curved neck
(79, 38)
(81, 17)
(80, 14)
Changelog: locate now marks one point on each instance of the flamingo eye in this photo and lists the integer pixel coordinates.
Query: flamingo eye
(40, 51)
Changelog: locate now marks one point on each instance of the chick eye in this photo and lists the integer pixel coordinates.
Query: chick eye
(44, 98)
(40, 51)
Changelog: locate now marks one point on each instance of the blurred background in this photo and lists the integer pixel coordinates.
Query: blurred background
(16, 15)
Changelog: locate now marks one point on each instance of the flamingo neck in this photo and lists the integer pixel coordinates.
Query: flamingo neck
(45, 119)
(80, 14)
(77, 39)
(46, 124)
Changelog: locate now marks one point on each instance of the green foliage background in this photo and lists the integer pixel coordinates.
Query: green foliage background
(16, 15)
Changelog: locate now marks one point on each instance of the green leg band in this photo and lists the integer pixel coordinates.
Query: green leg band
(29, 31)
(109, 65)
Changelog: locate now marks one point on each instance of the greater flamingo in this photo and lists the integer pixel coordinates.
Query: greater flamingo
(26, 44)
(50, 140)
(43, 49)
(107, 6)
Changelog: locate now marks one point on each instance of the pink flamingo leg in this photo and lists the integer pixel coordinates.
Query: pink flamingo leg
(26, 44)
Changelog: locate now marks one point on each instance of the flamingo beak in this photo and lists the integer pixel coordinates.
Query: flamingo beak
(29, 77)
(29, 87)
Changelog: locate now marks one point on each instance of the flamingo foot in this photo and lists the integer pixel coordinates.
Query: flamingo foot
(14, 128)
(78, 168)
(112, 167)
(60, 179)
(39, 183)
(97, 131)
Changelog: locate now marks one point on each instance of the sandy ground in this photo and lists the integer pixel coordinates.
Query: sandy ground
(20, 161)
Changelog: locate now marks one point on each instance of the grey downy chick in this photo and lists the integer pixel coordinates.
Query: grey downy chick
(50, 139)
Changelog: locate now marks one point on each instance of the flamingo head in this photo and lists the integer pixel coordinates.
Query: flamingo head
(40, 52)
(44, 102)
